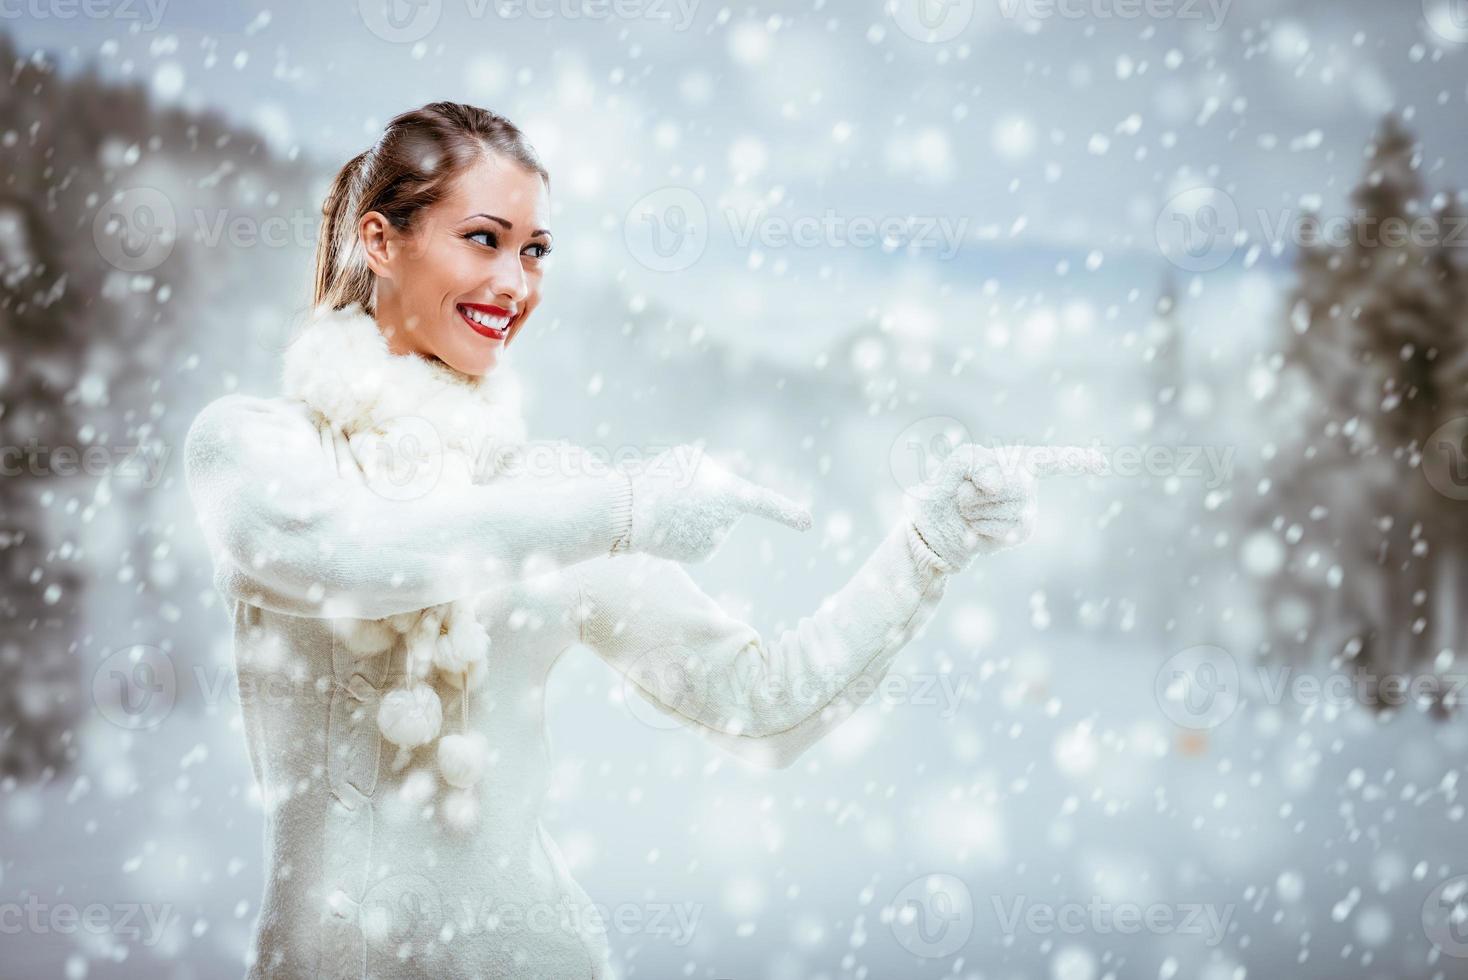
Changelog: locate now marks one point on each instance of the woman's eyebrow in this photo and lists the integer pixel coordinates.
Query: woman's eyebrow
(508, 225)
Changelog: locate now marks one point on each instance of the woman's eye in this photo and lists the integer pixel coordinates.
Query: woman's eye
(488, 237)
(538, 250)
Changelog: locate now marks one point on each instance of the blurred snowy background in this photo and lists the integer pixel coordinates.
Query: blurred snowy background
(1167, 738)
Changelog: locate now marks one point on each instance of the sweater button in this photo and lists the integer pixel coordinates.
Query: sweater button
(360, 687)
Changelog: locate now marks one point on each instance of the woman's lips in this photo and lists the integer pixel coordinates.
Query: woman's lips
(487, 321)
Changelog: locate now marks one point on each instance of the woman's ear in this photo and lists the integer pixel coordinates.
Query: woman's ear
(378, 238)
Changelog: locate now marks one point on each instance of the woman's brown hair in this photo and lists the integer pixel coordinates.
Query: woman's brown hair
(409, 169)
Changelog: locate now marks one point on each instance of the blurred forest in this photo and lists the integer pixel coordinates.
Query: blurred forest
(98, 304)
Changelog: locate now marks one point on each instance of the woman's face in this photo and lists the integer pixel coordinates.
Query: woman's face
(466, 276)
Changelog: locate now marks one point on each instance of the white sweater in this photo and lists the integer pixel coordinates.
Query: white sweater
(370, 873)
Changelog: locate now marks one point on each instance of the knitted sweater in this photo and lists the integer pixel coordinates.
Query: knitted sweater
(376, 871)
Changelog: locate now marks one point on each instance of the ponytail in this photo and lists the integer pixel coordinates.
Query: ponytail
(342, 275)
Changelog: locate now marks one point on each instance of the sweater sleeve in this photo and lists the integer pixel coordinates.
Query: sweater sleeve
(766, 701)
(291, 531)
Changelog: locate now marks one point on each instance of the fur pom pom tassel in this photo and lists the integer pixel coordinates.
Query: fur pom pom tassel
(422, 638)
(462, 758)
(410, 716)
(365, 637)
(459, 653)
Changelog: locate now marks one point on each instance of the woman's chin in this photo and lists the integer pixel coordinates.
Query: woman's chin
(475, 363)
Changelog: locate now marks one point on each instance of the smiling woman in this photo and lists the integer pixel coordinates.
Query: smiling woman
(429, 606)
(456, 281)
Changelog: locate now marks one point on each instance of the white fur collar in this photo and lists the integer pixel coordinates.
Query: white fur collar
(341, 366)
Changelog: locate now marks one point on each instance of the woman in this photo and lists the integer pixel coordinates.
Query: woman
(391, 562)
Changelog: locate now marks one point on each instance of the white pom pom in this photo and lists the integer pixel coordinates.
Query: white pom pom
(410, 716)
(462, 758)
(365, 637)
(461, 651)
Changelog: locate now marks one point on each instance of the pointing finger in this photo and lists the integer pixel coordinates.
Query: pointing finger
(751, 498)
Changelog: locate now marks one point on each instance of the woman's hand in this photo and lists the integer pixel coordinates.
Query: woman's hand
(983, 500)
(684, 505)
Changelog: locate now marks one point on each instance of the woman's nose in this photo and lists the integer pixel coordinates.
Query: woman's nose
(507, 278)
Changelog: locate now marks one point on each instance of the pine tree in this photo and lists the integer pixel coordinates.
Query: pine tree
(1373, 348)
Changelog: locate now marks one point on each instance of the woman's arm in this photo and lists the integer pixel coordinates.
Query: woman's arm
(766, 701)
(292, 533)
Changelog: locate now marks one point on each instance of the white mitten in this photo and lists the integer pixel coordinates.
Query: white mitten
(982, 500)
(685, 503)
